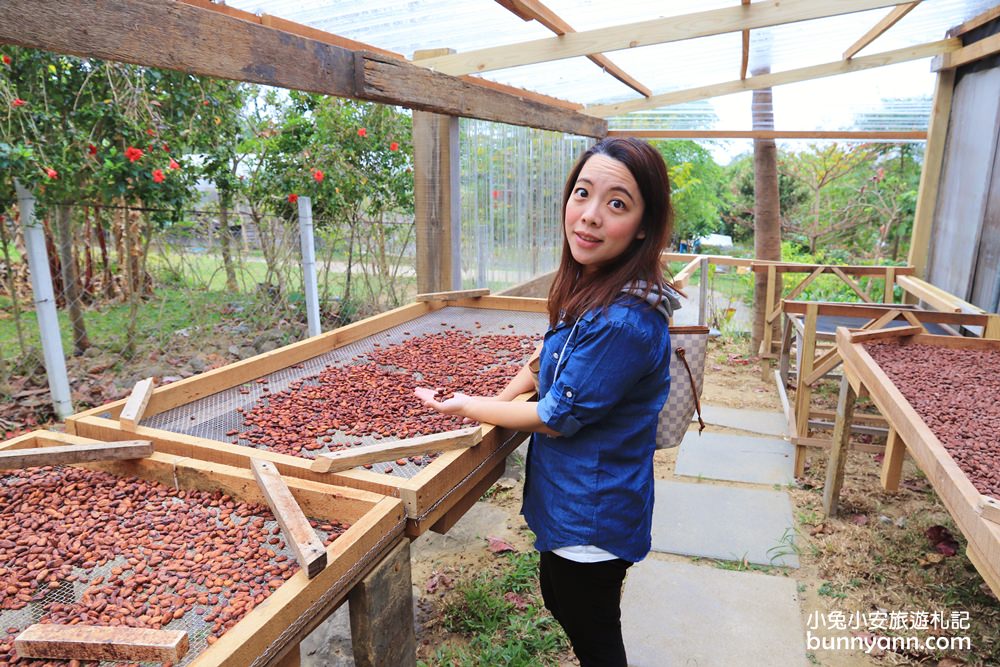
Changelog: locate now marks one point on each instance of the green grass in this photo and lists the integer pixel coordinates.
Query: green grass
(494, 630)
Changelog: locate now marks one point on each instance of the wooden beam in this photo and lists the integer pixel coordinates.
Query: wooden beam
(935, 296)
(535, 10)
(930, 175)
(778, 78)
(745, 56)
(387, 80)
(989, 509)
(892, 461)
(887, 22)
(64, 455)
(967, 54)
(93, 642)
(437, 442)
(885, 334)
(299, 535)
(916, 135)
(645, 33)
(973, 23)
(381, 611)
(521, 92)
(855, 270)
(852, 284)
(136, 404)
(838, 453)
(453, 295)
(209, 42)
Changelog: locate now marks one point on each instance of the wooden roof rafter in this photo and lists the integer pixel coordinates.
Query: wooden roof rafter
(779, 78)
(745, 59)
(646, 33)
(208, 41)
(534, 10)
(889, 20)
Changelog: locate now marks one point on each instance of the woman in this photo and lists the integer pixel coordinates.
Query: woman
(603, 378)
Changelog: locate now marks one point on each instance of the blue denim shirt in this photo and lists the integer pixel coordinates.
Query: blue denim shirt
(594, 483)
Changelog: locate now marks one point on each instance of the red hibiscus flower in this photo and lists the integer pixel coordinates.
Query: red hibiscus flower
(158, 176)
(133, 153)
(318, 175)
(362, 132)
(394, 146)
(18, 102)
(52, 173)
(6, 59)
(173, 164)
(91, 149)
(292, 198)
(150, 132)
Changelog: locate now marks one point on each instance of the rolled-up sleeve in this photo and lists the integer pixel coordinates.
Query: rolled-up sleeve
(608, 359)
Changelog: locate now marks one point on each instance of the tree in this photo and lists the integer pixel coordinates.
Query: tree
(695, 186)
(767, 211)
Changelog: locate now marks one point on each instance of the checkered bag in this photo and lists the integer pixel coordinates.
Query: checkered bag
(687, 374)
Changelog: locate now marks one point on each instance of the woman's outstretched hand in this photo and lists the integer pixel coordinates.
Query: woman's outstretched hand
(451, 406)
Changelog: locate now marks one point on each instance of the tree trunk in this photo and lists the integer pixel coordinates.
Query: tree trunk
(224, 239)
(767, 211)
(70, 280)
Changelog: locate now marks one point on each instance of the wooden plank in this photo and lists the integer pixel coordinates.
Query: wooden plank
(795, 292)
(453, 295)
(95, 642)
(888, 293)
(645, 33)
(772, 298)
(822, 443)
(854, 135)
(936, 296)
(892, 462)
(877, 310)
(684, 275)
(859, 418)
(851, 270)
(989, 509)
(885, 334)
(772, 80)
(514, 303)
(436, 442)
(988, 570)
(536, 287)
(976, 51)
(522, 93)
(992, 330)
(719, 260)
(852, 284)
(470, 498)
(975, 22)
(830, 360)
(381, 607)
(838, 452)
(390, 81)
(889, 20)
(136, 404)
(299, 535)
(930, 175)
(786, 407)
(68, 454)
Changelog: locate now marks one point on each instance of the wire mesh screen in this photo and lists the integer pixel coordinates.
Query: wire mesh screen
(109, 550)
(222, 416)
(511, 195)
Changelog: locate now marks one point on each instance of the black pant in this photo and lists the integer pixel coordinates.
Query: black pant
(586, 600)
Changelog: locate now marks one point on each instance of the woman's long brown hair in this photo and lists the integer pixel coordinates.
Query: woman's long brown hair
(574, 292)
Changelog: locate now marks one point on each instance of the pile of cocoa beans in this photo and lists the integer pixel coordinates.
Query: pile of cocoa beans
(957, 394)
(373, 396)
(172, 553)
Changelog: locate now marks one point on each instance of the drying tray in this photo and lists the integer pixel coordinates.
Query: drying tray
(429, 493)
(962, 500)
(293, 609)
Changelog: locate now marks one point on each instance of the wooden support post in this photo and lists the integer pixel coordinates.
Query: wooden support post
(838, 452)
(131, 414)
(930, 177)
(892, 463)
(435, 193)
(381, 608)
(992, 329)
(703, 293)
(785, 355)
(803, 392)
(300, 536)
(291, 659)
(773, 282)
(889, 293)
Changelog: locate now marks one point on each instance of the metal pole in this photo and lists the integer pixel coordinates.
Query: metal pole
(309, 265)
(703, 293)
(45, 303)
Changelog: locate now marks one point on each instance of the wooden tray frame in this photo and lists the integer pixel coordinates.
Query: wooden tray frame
(959, 496)
(294, 609)
(428, 497)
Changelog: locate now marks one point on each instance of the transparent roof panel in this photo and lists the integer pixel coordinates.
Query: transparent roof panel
(894, 97)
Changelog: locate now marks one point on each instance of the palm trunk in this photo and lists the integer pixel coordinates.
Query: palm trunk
(767, 210)
(70, 280)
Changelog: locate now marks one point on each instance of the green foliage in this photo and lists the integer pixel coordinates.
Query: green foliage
(498, 632)
(695, 184)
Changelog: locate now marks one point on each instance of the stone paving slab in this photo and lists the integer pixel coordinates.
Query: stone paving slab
(737, 458)
(679, 614)
(756, 421)
(715, 521)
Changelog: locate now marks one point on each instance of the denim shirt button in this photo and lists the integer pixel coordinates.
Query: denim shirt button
(555, 355)
(569, 394)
